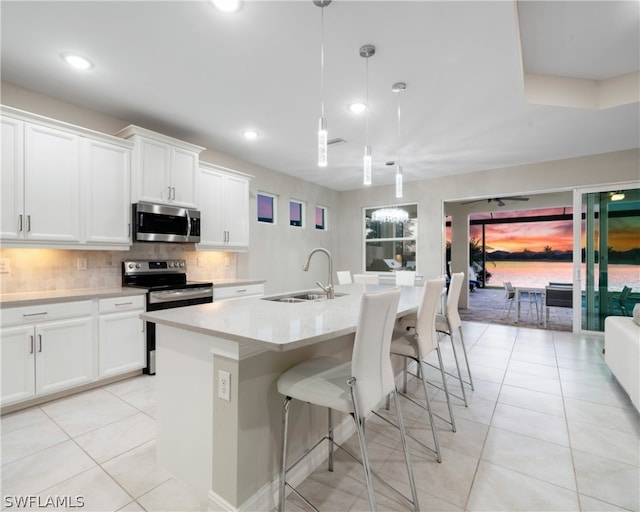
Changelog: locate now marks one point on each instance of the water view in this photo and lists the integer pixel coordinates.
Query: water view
(540, 273)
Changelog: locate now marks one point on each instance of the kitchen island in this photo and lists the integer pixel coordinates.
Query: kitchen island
(219, 412)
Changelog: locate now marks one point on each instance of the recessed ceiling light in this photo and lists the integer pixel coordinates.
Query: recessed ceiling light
(226, 5)
(77, 61)
(250, 134)
(358, 108)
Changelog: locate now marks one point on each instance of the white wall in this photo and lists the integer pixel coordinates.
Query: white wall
(430, 195)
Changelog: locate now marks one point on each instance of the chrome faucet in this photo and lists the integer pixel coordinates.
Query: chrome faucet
(331, 294)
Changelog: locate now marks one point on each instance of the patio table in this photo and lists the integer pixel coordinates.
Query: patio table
(530, 290)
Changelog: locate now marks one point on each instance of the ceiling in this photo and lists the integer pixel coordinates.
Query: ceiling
(189, 71)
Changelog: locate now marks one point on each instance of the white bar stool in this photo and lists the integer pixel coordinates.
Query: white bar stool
(416, 344)
(448, 322)
(356, 387)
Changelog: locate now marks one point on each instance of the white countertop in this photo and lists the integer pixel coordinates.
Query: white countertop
(9, 300)
(281, 326)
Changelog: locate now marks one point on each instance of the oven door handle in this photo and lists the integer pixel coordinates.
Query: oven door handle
(188, 234)
(176, 295)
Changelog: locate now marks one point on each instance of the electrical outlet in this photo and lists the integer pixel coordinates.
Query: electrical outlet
(5, 266)
(82, 263)
(224, 385)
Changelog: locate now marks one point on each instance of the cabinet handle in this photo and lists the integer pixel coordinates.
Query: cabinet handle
(19, 222)
(25, 315)
(143, 325)
(40, 342)
(28, 222)
(31, 351)
(241, 291)
(169, 193)
(173, 190)
(123, 304)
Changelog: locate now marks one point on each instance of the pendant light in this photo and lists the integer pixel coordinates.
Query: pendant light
(398, 87)
(322, 123)
(366, 51)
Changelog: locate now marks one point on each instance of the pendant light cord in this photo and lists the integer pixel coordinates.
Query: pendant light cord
(322, 62)
(367, 102)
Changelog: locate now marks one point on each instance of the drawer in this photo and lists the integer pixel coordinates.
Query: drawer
(116, 304)
(46, 312)
(237, 292)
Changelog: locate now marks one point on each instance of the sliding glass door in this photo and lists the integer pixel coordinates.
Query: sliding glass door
(610, 255)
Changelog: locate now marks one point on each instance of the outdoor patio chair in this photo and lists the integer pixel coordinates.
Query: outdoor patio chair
(622, 300)
(509, 298)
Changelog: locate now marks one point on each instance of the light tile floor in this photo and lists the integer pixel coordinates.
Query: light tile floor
(547, 428)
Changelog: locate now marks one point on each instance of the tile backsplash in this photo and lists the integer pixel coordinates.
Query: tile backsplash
(54, 269)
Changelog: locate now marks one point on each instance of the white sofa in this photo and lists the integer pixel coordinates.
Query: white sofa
(622, 353)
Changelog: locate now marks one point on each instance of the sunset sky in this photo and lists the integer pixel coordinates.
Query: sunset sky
(624, 233)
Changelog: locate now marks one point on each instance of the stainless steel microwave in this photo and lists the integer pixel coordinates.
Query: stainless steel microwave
(164, 223)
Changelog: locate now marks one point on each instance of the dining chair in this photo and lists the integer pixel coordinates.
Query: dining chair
(415, 345)
(344, 277)
(366, 278)
(355, 387)
(405, 278)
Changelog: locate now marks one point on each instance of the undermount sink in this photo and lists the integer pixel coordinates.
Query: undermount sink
(301, 297)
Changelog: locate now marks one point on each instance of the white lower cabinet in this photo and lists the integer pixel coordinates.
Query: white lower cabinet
(44, 355)
(62, 345)
(121, 336)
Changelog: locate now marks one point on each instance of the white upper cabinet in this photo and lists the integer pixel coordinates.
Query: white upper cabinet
(165, 170)
(62, 186)
(107, 193)
(51, 184)
(12, 184)
(224, 208)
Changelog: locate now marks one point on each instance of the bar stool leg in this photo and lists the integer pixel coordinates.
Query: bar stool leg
(363, 446)
(466, 359)
(330, 415)
(429, 412)
(405, 448)
(283, 466)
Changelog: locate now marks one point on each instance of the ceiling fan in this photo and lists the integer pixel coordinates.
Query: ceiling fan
(499, 200)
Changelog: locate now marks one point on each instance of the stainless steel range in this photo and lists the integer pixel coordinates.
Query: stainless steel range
(167, 287)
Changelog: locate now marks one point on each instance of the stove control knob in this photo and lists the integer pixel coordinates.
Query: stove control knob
(138, 265)
(182, 264)
(171, 264)
(132, 265)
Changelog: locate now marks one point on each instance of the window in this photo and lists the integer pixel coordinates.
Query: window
(266, 208)
(296, 213)
(321, 218)
(391, 236)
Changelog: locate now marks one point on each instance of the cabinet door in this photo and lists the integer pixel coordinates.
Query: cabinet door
(237, 211)
(12, 184)
(121, 343)
(64, 354)
(211, 199)
(18, 364)
(153, 171)
(184, 177)
(108, 197)
(52, 184)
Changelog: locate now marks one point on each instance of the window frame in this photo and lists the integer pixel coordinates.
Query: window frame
(302, 210)
(274, 208)
(325, 217)
(395, 239)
